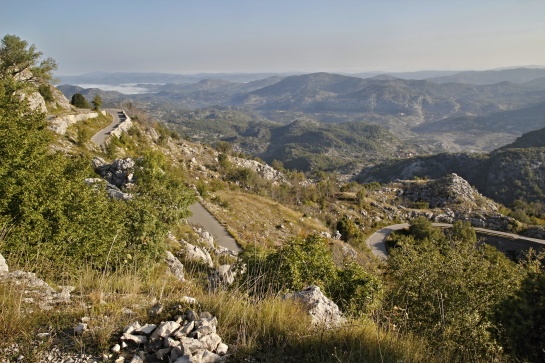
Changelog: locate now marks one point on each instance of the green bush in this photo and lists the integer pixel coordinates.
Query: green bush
(445, 289)
(45, 92)
(79, 101)
(308, 261)
(520, 317)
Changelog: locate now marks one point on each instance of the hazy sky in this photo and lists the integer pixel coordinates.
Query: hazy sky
(191, 36)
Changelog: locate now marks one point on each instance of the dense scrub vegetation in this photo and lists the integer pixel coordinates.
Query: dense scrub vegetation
(463, 296)
(48, 212)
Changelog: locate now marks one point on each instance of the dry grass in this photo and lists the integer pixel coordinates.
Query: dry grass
(270, 329)
(255, 219)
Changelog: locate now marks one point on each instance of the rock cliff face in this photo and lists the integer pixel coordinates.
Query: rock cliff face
(457, 199)
(442, 200)
(59, 100)
(504, 175)
(450, 190)
(36, 102)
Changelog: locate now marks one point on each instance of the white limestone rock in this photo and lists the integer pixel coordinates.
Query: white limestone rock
(322, 310)
(3, 265)
(175, 266)
(196, 253)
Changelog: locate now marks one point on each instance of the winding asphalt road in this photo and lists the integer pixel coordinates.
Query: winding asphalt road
(200, 215)
(100, 137)
(377, 241)
(209, 223)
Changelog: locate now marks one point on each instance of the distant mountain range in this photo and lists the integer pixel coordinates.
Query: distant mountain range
(517, 75)
(323, 120)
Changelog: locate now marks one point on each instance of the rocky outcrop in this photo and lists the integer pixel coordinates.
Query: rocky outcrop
(535, 232)
(112, 191)
(265, 171)
(447, 191)
(59, 100)
(36, 292)
(223, 276)
(119, 173)
(36, 102)
(443, 200)
(185, 339)
(197, 254)
(115, 176)
(322, 310)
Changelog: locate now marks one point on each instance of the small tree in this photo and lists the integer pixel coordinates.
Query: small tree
(79, 101)
(20, 61)
(97, 102)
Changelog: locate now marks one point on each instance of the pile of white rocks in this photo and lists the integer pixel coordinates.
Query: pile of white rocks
(187, 338)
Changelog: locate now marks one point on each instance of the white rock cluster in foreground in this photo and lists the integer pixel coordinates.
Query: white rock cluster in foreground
(187, 338)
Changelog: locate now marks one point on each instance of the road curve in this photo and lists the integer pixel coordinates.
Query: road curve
(100, 137)
(377, 241)
(209, 223)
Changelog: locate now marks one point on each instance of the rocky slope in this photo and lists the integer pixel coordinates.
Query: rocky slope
(505, 175)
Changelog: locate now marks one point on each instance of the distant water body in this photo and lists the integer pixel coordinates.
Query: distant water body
(128, 89)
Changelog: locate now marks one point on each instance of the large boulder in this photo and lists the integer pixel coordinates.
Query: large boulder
(322, 310)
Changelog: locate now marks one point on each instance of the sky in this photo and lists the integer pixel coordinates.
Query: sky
(345, 36)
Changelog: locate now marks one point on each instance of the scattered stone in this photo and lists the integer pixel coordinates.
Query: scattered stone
(130, 328)
(222, 349)
(187, 328)
(190, 300)
(146, 329)
(155, 310)
(348, 251)
(175, 266)
(138, 339)
(166, 329)
(190, 315)
(80, 329)
(195, 253)
(36, 290)
(127, 311)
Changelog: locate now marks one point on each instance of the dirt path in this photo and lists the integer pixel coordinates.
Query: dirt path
(209, 223)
